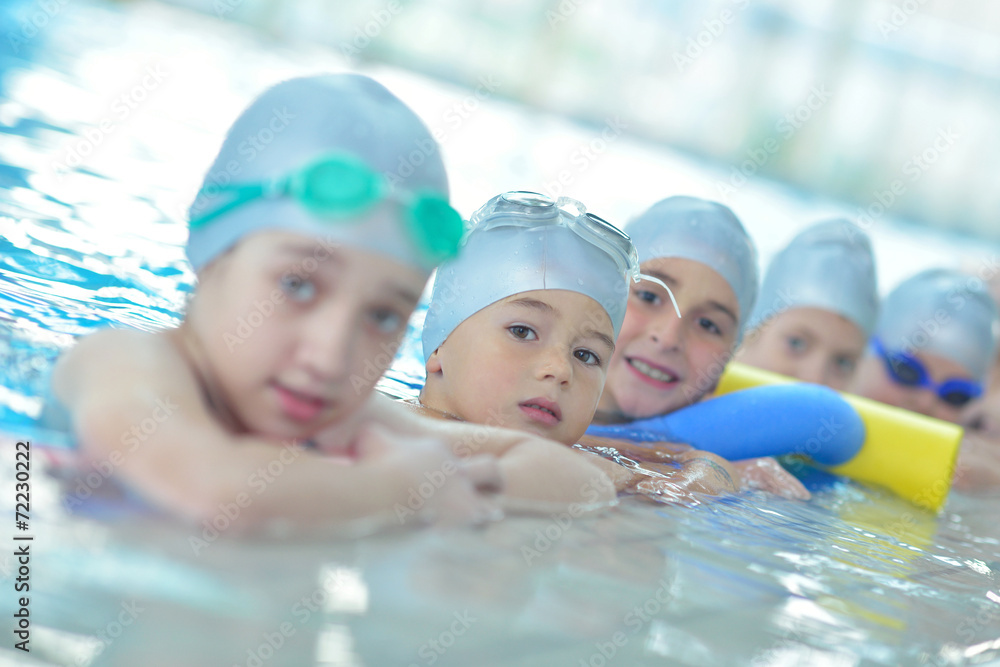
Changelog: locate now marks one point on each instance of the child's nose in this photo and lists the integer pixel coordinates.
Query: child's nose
(942, 410)
(665, 330)
(326, 348)
(554, 364)
(813, 368)
(924, 401)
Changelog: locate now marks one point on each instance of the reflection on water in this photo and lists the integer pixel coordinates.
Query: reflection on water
(853, 577)
(746, 580)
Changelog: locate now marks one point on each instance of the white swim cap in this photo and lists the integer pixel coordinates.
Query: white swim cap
(524, 241)
(703, 231)
(828, 265)
(945, 312)
(354, 119)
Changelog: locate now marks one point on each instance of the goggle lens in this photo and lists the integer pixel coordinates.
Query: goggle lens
(335, 187)
(529, 199)
(436, 226)
(904, 371)
(955, 397)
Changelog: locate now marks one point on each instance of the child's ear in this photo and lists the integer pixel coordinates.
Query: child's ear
(433, 364)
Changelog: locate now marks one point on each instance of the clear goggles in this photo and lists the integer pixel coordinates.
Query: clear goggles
(533, 209)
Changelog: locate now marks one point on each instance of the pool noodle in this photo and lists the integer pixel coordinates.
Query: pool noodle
(909, 453)
(758, 413)
(762, 421)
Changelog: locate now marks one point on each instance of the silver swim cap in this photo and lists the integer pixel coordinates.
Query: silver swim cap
(703, 231)
(524, 241)
(373, 134)
(829, 265)
(945, 312)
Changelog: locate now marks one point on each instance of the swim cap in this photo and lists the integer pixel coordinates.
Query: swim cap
(945, 312)
(296, 122)
(703, 231)
(523, 241)
(829, 265)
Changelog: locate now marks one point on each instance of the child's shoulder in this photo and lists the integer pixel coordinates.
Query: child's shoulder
(119, 354)
(117, 346)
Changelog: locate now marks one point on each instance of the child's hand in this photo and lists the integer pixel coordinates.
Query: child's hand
(768, 475)
(705, 475)
(439, 487)
(978, 465)
(657, 452)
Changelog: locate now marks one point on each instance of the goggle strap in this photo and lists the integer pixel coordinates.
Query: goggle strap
(244, 194)
(652, 279)
(436, 233)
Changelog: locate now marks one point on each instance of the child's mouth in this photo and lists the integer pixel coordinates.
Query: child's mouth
(297, 406)
(651, 374)
(542, 411)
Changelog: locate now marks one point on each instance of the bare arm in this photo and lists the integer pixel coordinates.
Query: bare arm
(529, 462)
(116, 384)
(668, 477)
(761, 473)
(533, 468)
(658, 452)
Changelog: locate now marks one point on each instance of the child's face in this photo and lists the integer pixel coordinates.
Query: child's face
(663, 363)
(873, 381)
(295, 332)
(811, 344)
(535, 361)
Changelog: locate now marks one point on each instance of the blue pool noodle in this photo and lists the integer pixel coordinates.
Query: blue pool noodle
(760, 421)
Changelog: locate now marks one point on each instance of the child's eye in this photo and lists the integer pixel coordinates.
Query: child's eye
(587, 357)
(647, 296)
(522, 332)
(796, 344)
(387, 320)
(709, 326)
(844, 365)
(298, 288)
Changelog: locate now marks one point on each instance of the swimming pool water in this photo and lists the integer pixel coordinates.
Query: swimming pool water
(853, 577)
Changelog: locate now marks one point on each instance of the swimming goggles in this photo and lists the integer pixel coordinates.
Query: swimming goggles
(908, 370)
(533, 209)
(338, 186)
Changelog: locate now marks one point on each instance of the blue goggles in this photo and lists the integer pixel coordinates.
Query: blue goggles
(909, 371)
(337, 186)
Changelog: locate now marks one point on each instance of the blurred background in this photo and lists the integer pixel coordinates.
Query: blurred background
(787, 110)
(840, 97)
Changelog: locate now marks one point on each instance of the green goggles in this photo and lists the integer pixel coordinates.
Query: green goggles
(337, 187)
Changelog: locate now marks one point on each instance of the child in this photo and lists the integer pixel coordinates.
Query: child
(664, 362)
(983, 415)
(979, 459)
(817, 306)
(531, 261)
(521, 326)
(934, 343)
(310, 254)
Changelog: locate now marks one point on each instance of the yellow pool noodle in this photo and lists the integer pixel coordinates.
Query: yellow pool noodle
(909, 453)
